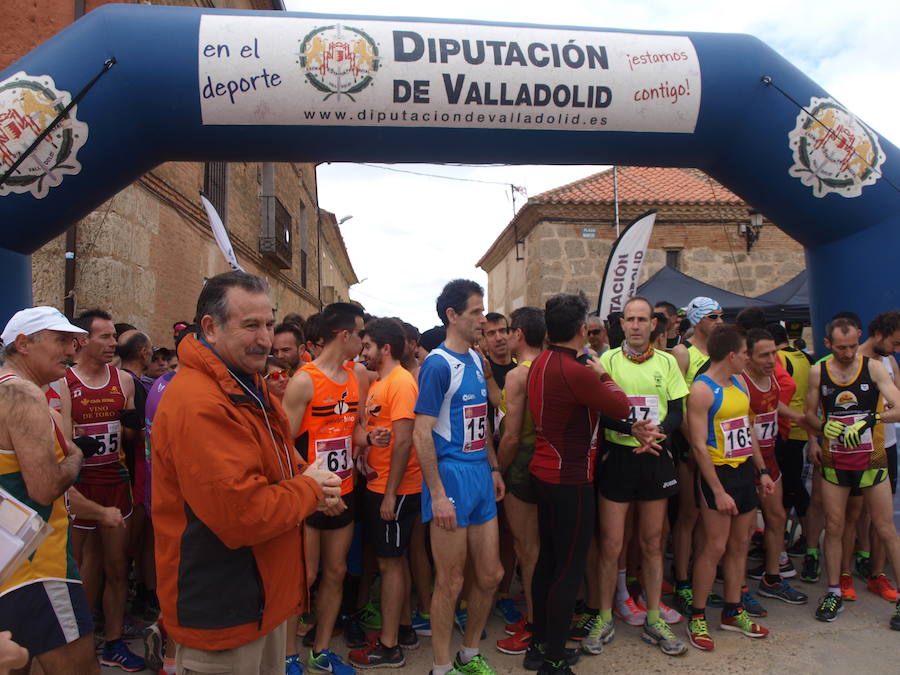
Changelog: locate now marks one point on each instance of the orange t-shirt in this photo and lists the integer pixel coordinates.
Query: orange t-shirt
(391, 399)
(328, 422)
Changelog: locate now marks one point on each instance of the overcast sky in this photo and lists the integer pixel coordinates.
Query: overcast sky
(411, 234)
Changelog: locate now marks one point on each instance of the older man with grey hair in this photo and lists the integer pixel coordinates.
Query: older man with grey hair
(42, 603)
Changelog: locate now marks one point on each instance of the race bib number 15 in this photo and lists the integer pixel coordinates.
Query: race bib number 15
(475, 420)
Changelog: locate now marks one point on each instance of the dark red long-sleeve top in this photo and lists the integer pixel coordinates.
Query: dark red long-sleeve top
(566, 399)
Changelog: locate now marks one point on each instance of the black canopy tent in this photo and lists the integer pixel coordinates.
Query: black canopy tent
(789, 302)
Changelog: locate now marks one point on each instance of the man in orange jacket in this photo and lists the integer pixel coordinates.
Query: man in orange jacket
(230, 493)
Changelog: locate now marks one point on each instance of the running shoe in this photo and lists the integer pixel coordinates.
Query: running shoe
(829, 607)
(785, 569)
(811, 569)
(421, 623)
(881, 585)
(461, 618)
(698, 634)
(506, 609)
(153, 648)
(848, 593)
(376, 655)
(629, 612)
(117, 655)
(536, 652)
(328, 662)
(756, 553)
(895, 619)
(683, 599)
(407, 637)
(783, 591)
(601, 633)
(516, 628)
(667, 588)
(369, 616)
(742, 623)
(661, 635)
(751, 604)
(583, 626)
(666, 613)
(515, 644)
(292, 665)
(477, 666)
(555, 668)
(863, 566)
(715, 600)
(354, 635)
(798, 548)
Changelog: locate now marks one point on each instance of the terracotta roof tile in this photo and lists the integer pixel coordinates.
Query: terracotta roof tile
(639, 185)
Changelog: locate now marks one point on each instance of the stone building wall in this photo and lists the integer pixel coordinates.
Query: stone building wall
(558, 259)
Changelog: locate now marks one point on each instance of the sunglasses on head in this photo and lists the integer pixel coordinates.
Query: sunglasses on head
(276, 375)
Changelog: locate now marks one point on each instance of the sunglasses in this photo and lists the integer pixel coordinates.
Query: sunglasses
(595, 331)
(276, 375)
(714, 317)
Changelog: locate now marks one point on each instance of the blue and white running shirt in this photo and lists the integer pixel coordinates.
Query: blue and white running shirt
(452, 389)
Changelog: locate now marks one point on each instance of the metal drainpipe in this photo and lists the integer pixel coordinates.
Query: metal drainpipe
(72, 232)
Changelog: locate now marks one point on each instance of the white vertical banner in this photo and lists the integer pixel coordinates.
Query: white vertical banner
(623, 269)
(219, 232)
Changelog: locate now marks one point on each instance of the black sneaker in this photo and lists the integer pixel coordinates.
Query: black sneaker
(895, 619)
(582, 626)
(810, 572)
(555, 668)
(354, 635)
(830, 606)
(757, 553)
(309, 639)
(798, 548)
(534, 657)
(407, 638)
(757, 572)
(863, 567)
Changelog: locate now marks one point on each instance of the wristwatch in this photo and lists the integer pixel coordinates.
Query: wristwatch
(765, 472)
(497, 469)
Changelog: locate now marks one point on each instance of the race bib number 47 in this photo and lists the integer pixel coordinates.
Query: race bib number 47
(736, 434)
(475, 420)
(643, 408)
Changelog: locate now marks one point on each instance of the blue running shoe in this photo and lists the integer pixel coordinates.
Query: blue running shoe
(293, 665)
(506, 609)
(328, 662)
(421, 623)
(751, 605)
(461, 618)
(117, 655)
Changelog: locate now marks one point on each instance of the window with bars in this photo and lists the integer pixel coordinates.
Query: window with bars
(215, 186)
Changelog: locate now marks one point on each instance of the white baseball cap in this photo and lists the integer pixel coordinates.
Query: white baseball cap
(30, 321)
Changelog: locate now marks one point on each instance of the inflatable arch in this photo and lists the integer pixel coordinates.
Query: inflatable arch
(174, 83)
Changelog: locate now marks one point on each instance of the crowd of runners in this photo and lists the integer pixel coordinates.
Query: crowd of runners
(344, 478)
